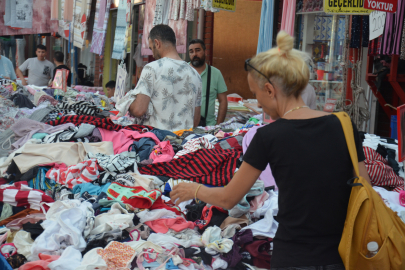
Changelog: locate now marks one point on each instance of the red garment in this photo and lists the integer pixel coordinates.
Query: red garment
(42, 264)
(160, 204)
(21, 195)
(212, 167)
(21, 214)
(163, 225)
(105, 123)
(381, 174)
(260, 252)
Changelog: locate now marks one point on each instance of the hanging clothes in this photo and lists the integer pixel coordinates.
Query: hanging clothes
(19, 13)
(403, 42)
(162, 12)
(288, 19)
(266, 26)
(399, 28)
(82, 11)
(20, 56)
(100, 26)
(55, 9)
(207, 6)
(68, 10)
(183, 9)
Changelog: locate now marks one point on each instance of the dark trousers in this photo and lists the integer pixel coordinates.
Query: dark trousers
(6, 46)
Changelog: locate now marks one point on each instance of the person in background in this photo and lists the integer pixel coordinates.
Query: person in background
(39, 69)
(217, 84)
(168, 93)
(309, 159)
(309, 96)
(110, 88)
(58, 60)
(6, 68)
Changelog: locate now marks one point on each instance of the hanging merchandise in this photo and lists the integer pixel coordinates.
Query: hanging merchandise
(55, 4)
(100, 26)
(120, 85)
(19, 13)
(180, 29)
(82, 13)
(288, 19)
(162, 12)
(147, 26)
(179, 9)
(64, 25)
(266, 26)
(207, 6)
(121, 29)
(68, 10)
(39, 21)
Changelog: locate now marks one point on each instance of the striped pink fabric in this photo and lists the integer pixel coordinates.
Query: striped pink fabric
(84, 172)
(288, 19)
(381, 174)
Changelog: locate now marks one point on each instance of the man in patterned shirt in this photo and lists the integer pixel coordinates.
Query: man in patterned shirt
(168, 94)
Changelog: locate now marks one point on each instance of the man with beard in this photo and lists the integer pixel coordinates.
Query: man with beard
(216, 82)
(168, 94)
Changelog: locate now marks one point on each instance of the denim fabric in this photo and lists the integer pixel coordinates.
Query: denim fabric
(266, 26)
(143, 148)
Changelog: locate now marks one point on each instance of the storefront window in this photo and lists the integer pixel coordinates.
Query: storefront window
(321, 36)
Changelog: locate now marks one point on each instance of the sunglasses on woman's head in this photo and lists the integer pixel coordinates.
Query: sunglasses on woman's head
(248, 65)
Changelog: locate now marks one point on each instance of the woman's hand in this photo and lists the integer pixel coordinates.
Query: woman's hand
(183, 192)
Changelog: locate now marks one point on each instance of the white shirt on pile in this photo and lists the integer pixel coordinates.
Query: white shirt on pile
(175, 90)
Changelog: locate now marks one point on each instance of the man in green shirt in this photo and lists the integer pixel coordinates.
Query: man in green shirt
(217, 85)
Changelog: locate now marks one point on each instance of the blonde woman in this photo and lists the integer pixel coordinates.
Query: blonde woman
(307, 153)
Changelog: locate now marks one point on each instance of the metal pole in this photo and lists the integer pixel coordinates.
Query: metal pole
(200, 32)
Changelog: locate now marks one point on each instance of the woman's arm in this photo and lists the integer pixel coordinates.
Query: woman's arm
(225, 197)
(363, 172)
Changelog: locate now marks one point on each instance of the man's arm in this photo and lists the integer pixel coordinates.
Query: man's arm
(139, 106)
(197, 116)
(223, 107)
(21, 76)
(20, 70)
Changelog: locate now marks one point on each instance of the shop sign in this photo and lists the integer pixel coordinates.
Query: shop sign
(377, 24)
(228, 5)
(120, 83)
(382, 5)
(355, 7)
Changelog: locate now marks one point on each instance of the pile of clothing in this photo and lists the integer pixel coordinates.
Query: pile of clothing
(82, 191)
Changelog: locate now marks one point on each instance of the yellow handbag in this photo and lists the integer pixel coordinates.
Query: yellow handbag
(369, 219)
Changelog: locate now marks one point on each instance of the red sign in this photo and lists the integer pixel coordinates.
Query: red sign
(401, 132)
(382, 5)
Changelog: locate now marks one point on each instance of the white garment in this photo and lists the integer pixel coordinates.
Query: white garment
(141, 245)
(267, 226)
(23, 242)
(219, 263)
(71, 259)
(169, 242)
(192, 236)
(211, 234)
(66, 231)
(92, 261)
(116, 218)
(273, 198)
(391, 199)
(150, 215)
(174, 88)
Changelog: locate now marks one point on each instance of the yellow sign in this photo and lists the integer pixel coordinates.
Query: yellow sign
(345, 7)
(228, 5)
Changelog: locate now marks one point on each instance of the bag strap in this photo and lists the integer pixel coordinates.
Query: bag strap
(351, 144)
(207, 96)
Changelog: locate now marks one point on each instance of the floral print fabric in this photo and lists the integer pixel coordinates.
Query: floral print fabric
(175, 90)
(117, 255)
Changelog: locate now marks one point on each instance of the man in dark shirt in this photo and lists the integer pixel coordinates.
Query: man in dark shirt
(58, 60)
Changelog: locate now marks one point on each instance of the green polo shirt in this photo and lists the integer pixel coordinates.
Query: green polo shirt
(218, 86)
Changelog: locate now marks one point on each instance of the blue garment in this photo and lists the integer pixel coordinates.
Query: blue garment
(170, 265)
(90, 188)
(6, 68)
(161, 134)
(143, 148)
(266, 26)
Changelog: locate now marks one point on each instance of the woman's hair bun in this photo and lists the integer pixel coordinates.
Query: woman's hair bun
(285, 42)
